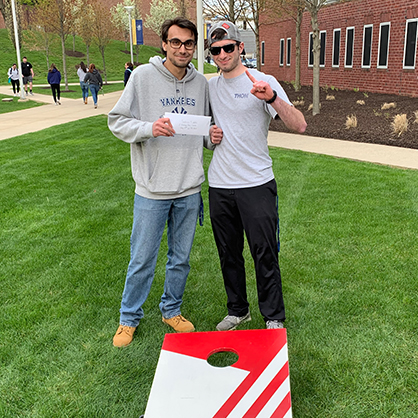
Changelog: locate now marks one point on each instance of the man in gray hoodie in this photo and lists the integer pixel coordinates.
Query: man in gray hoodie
(168, 173)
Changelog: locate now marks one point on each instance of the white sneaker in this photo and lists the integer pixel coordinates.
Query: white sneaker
(56, 103)
(31, 93)
(230, 322)
(274, 324)
(59, 102)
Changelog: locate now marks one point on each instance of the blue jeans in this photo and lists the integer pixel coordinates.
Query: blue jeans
(150, 217)
(94, 88)
(84, 89)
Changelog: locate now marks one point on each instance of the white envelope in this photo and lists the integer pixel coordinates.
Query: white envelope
(189, 124)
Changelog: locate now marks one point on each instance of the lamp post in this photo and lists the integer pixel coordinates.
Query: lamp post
(22, 90)
(129, 10)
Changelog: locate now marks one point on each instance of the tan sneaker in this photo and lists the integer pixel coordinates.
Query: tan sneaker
(179, 324)
(123, 336)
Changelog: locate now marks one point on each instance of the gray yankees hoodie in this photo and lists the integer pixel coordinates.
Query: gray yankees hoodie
(162, 167)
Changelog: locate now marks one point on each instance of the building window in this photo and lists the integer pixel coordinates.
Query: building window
(262, 53)
(288, 50)
(349, 47)
(323, 38)
(336, 48)
(410, 44)
(281, 52)
(310, 52)
(382, 59)
(367, 46)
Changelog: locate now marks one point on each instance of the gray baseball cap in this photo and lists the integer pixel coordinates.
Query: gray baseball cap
(230, 29)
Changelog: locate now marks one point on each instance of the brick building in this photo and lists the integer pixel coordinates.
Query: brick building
(366, 44)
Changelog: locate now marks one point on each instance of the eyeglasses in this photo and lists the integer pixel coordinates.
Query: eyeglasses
(176, 43)
(216, 50)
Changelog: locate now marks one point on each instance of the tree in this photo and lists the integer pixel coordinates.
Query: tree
(230, 10)
(84, 22)
(120, 17)
(59, 13)
(160, 10)
(103, 32)
(314, 6)
(42, 33)
(252, 17)
(294, 9)
(6, 11)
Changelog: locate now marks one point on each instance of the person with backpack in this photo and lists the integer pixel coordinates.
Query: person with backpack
(13, 74)
(128, 70)
(95, 82)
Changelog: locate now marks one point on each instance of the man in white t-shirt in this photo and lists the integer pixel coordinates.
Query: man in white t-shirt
(242, 188)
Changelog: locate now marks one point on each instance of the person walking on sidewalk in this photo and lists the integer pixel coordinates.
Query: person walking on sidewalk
(129, 67)
(242, 188)
(82, 72)
(95, 82)
(28, 74)
(168, 173)
(13, 74)
(54, 79)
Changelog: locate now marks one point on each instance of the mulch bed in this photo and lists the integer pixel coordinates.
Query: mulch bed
(374, 125)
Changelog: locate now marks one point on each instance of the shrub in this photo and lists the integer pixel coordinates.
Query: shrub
(400, 124)
(386, 106)
(298, 103)
(351, 122)
(311, 106)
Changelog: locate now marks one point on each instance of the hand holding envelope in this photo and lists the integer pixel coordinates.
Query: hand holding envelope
(162, 127)
(185, 124)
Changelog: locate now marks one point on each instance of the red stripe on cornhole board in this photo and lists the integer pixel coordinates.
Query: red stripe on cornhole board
(282, 409)
(268, 392)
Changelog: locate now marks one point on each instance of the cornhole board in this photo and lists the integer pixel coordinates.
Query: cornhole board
(256, 386)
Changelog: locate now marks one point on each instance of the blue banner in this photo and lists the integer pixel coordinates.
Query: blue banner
(137, 35)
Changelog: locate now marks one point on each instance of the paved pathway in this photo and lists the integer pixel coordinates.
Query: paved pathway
(35, 119)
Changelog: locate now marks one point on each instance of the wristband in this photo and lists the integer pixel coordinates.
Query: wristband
(273, 98)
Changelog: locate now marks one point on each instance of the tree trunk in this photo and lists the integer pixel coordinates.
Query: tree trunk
(298, 49)
(73, 42)
(64, 62)
(88, 54)
(183, 9)
(231, 11)
(316, 56)
(102, 52)
(6, 11)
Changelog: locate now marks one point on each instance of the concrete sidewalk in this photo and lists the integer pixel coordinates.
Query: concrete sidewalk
(35, 119)
(38, 118)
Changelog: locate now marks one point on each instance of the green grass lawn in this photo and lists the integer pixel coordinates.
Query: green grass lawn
(349, 264)
(6, 107)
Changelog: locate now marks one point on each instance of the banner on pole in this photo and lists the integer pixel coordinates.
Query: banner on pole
(137, 35)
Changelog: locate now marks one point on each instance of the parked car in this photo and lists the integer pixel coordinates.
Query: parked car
(247, 63)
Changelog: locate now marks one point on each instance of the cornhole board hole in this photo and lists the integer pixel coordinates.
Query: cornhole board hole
(256, 386)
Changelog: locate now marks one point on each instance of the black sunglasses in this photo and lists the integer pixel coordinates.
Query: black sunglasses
(216, 50)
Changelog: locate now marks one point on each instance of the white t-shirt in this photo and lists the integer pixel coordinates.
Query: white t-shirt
(242, 158)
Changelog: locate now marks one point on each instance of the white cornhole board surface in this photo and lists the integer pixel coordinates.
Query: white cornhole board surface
(256, 386)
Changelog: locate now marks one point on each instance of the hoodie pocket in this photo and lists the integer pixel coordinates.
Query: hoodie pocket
(177, 171)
